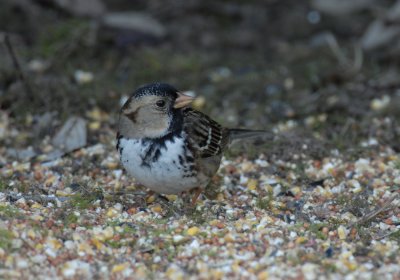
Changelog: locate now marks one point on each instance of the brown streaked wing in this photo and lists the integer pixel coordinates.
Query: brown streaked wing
(206, 136)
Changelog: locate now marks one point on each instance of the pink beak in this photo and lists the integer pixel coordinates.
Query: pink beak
(183, 100)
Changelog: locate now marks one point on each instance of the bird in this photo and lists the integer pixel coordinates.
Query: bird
(169, 147)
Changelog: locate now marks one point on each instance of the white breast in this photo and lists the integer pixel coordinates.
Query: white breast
(166, 174)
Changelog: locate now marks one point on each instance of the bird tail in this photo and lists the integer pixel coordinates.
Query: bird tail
(237, 134)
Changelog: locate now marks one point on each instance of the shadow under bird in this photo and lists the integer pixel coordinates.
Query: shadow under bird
(169, 147)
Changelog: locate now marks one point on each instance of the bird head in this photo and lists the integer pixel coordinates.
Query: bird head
(153, 111)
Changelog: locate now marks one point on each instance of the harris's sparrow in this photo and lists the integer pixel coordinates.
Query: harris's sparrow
(169, 147)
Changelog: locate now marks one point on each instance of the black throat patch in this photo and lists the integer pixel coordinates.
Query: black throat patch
(153, 151)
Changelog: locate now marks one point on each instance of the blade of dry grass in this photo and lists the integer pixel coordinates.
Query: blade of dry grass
(7, 42)
(387, 207)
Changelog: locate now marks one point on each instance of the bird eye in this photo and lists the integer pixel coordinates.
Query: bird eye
(160, 103)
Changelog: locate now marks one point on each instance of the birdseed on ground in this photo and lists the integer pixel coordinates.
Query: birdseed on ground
(81, 216)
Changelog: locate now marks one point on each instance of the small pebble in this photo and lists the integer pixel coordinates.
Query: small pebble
(193, 231)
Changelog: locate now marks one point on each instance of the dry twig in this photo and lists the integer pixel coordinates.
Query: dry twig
(21, 76)
(387, 207)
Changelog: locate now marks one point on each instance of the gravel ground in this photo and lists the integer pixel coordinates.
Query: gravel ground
(81, 217)
(321, 202)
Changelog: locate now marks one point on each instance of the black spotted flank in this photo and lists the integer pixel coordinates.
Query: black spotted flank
(119, 136)
(189, 173)
(118, 146)
(180, 160)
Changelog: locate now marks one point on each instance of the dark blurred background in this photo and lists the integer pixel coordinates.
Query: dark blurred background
(325, 70)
